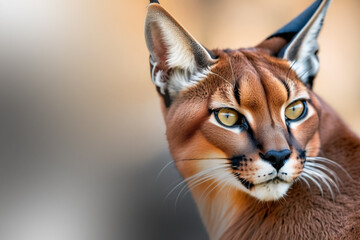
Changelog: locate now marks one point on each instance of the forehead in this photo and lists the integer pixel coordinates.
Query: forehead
(252, 79)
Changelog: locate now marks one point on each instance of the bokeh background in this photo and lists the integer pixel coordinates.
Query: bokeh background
(81, 133)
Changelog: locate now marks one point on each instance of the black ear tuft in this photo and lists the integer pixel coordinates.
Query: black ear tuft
(154, 1)
(289, 31)
(297, 41)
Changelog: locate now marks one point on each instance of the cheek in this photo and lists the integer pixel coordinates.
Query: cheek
(196, 155)
(313, 146)
(228, 141)
(293, 167)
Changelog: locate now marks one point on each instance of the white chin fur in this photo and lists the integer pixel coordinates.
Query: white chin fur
(271, 191)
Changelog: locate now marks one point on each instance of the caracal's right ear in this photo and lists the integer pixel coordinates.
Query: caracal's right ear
(177, 60)
(297, 41)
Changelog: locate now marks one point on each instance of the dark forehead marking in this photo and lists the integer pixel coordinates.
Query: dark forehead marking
(255, 63)
(236, 84)
(237, 92)
(237, 56)
(286, 85)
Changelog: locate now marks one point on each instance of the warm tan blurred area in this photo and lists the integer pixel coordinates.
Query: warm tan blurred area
(82, 133)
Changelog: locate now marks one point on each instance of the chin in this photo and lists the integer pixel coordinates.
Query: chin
(271, 191)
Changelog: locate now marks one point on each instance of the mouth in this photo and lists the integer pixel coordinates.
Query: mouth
(250, 185)
(246, 183)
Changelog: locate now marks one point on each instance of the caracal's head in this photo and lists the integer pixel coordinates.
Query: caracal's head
(244, 118)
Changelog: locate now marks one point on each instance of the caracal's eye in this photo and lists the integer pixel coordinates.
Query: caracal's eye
(227, 117)
(295, 110)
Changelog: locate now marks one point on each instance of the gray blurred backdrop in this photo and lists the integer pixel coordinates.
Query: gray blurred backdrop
(82, 136)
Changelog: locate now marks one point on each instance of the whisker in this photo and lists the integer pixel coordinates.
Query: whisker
(200, 181)
(218, 183)
(329, 161)
(206, 171)
(183, 181)
(195, 159)
(163, 169)
(173, 189)
(305, 181)
(323, 178)
(208, 187)
(221, 78)
(196, 182)
(307, 175)
(232, 70)
(319, 165)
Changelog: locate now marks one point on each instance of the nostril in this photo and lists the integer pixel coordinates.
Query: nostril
(273, 155)
(287, 155)
(270, 157)
(276, 158)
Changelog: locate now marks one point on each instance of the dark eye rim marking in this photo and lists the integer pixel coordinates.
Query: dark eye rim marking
(237, 93)
(302, 115)
(240, 123)
(286, 85)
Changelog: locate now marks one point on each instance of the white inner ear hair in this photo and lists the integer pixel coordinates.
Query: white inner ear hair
(180, 58)
(305, 62)
(179, 51)
(180, 80)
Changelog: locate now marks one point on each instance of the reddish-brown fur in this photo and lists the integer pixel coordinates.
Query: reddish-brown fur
(308, 215)
(302, 214)
(259, 86)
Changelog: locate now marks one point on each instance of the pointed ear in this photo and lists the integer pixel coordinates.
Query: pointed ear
(297, 41)
(177, 60)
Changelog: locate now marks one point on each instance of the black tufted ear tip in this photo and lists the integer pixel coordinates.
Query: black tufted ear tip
(154, 1)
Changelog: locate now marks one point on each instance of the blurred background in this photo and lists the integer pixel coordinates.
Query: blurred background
(82, 136)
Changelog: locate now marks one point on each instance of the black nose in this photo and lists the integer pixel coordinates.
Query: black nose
(276, 158)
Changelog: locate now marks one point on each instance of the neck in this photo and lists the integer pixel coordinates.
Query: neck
(338, 142)
(220, 208)
(231, 214)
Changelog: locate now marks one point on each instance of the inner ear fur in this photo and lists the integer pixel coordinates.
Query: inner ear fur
(297, 41)
(172, 49)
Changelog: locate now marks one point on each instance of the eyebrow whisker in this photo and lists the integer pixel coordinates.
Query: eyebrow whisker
(220, 77)
(232, 70)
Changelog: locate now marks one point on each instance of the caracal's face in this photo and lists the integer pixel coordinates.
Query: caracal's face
(249, 124)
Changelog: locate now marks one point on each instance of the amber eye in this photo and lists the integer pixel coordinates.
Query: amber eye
(227, 117)
(295, 110)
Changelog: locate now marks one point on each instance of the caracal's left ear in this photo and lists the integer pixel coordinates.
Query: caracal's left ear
(297, 41)
(177, 60)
